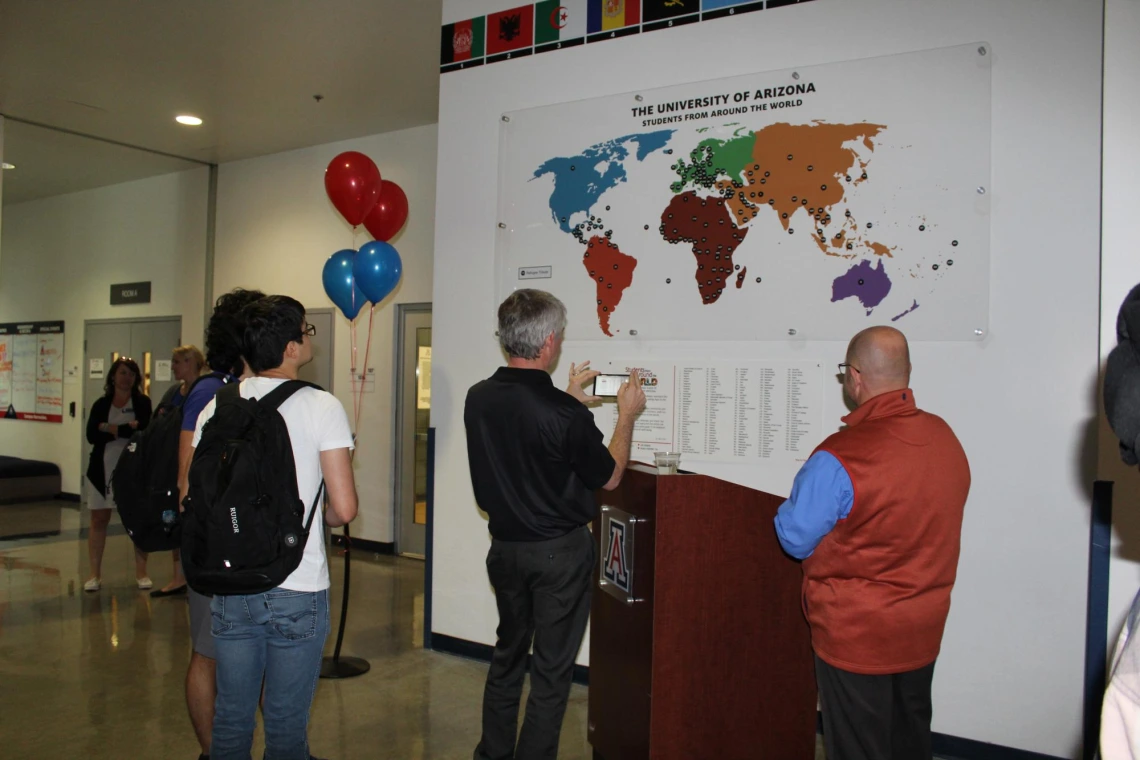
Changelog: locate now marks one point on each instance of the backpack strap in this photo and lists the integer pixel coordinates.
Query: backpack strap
(228, 392)
(216, 375)
(313, 509)
(273, 400)
(278, 395)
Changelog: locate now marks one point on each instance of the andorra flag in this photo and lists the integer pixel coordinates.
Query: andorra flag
(559, 20)
(510, 30)
(461, 41)
(607, 15)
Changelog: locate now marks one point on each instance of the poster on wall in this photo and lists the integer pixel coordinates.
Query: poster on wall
(806, 203)
(755, 413)
(31, 371)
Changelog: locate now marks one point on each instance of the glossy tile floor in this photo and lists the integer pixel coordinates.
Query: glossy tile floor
(101, 675)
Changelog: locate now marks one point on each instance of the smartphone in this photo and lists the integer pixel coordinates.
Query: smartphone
(607, 385)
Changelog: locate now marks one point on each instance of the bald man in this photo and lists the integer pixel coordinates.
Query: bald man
(876, 516)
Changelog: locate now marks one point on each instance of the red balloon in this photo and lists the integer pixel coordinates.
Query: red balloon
(352, 182)
(389, 214)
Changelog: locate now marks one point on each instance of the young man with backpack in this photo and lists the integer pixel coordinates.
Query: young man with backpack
(224, 335)
(223, 357)
(253, 513)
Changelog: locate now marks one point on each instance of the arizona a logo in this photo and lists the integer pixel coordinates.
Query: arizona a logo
(616, 568)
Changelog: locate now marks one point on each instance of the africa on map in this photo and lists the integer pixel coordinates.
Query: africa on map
(713, 211)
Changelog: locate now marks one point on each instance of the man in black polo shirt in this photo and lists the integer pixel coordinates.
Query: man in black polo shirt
(536, 458)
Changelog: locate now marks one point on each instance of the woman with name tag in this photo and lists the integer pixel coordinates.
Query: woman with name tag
(113, 419)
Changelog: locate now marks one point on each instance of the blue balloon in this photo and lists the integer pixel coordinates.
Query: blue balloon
(340, 285)
(377, 270)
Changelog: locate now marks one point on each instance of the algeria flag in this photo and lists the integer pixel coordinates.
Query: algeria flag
(556, 20)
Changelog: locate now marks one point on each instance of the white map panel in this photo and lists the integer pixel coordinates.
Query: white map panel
(816, 200)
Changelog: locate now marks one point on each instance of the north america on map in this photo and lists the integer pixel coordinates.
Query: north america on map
(724, 182)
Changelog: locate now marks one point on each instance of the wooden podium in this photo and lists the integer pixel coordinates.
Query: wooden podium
(698, 645)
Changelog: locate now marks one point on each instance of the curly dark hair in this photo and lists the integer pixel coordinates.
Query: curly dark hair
(224, 331)
(271, 324)
(132, 365)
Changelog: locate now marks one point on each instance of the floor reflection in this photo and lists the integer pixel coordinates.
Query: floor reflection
(101, 675)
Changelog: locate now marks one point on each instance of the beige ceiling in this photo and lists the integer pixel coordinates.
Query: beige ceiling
(122, 70)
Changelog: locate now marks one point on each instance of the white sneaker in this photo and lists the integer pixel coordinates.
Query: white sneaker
(92, 584)
(145, 583)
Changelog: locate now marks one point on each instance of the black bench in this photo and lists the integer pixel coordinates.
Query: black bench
(27, 480)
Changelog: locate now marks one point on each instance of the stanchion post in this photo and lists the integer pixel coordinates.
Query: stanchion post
(337, 666)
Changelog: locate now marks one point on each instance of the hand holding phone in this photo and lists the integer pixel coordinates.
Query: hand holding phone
(631, 396)
(607, 386)
(580, 376)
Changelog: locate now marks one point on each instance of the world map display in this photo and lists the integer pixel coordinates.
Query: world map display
(713, 215)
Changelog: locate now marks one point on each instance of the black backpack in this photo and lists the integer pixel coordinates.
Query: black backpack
(244, 528)
(145, 481)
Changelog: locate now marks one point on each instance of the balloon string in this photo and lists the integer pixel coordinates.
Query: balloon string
(352, 333)
(357, 407)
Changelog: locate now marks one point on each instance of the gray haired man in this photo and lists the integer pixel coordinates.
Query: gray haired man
(536, 458)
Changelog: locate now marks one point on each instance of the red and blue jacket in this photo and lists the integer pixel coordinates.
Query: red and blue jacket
(876, 516)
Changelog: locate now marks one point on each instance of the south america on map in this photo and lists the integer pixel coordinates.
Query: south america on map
(749, 212)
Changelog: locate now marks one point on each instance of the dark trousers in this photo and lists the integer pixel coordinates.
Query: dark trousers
(883, 717)
(542, 590)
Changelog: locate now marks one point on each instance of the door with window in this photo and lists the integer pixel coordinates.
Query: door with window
(413, 418)
(148, 341)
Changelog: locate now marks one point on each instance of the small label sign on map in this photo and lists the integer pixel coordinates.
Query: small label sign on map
(536, 273)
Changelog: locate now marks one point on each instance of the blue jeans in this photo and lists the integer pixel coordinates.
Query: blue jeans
(277, 636)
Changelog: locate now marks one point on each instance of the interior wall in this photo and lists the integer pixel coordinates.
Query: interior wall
(1022, 401)
(275, 229)
(60, 257)
(1120, 271)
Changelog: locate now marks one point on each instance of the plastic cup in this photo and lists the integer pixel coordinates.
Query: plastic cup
(667, 462)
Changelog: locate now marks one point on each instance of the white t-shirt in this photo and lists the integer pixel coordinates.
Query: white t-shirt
(1120, 713)
(317, 422)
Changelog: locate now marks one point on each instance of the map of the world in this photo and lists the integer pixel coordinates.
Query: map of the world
(745, 209)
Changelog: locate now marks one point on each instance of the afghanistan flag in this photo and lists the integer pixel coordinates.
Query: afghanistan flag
(461, 41)
(608, 15)
(510, 30)
(559, 21)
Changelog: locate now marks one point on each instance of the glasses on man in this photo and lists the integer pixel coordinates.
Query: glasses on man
(843, 368)
(309, 330)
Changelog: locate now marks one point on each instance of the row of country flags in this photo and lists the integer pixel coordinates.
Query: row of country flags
(556, 24)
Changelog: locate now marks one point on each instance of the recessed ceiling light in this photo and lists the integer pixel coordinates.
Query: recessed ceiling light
(7, 165)
(188, 120)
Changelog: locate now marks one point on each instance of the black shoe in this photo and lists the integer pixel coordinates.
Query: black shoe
(158, 594)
